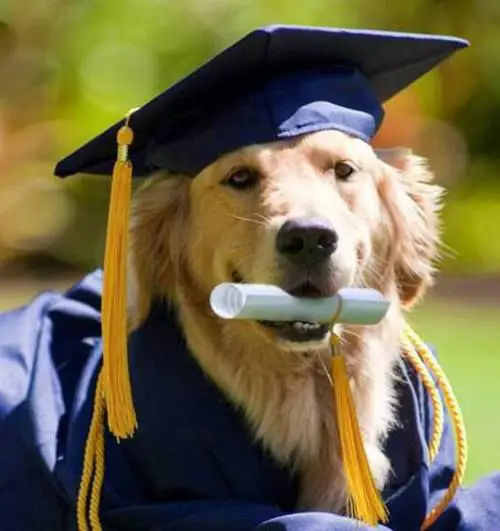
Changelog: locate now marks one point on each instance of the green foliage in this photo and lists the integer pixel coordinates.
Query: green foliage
(75, 67)
(470, 220)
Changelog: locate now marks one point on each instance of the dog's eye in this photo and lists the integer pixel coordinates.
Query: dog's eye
(242, 179)
(343, 170)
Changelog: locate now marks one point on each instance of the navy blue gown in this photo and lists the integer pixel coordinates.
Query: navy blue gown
(192, 465)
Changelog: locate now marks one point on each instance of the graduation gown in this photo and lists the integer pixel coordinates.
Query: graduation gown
(192, 465)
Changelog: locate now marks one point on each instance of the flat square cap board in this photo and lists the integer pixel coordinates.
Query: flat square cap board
(277, 82)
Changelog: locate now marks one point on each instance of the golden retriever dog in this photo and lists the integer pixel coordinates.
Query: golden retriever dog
(311, 215)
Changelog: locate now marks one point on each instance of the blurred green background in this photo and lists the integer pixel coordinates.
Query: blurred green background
(70, 68)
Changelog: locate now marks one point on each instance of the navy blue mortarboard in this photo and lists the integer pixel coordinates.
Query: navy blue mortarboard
(277, 82)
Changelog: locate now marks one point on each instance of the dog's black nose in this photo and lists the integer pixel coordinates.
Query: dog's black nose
(306, 241)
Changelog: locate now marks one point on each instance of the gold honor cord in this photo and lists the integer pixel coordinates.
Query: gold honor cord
(457, 421)
(93, 464)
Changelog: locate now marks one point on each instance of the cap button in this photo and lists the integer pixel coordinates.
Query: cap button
(125, 136)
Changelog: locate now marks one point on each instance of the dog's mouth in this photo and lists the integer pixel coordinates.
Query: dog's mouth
(298, 331)
(295, 331)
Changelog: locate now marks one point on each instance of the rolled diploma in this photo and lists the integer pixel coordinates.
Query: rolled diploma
(261, 302)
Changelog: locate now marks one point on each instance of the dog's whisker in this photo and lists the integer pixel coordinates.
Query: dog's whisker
(249, 220)
(379, 261)
(265, 219)
(324, 368)
(367, 277)
(372, 273)
(347, 332)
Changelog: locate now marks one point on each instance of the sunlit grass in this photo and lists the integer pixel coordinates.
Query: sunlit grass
(467, 339)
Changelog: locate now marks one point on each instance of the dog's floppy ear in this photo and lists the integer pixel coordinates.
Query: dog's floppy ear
(158, 228)
(413, 204)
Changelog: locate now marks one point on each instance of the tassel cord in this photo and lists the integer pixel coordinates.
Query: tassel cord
(113, 395)
(364, 501)
(120, 409)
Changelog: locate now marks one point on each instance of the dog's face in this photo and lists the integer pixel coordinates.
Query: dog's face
(312, 215)
(302, 215)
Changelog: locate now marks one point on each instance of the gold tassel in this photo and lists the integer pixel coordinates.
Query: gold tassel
(364, 500)
(117, 386)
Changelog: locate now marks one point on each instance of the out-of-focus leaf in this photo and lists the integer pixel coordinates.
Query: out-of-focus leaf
(70, 68)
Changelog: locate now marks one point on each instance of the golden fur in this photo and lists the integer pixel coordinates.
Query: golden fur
(188, 235)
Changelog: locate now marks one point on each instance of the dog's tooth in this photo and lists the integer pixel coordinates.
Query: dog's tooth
(304, 326)
(298, 325)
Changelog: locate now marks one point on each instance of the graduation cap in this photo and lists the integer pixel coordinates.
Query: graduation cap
(277, 82)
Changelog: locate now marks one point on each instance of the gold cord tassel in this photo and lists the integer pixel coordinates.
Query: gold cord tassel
(364, 500)
(412, 341)
(89, 493)
(113, 395)
(117, 387)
